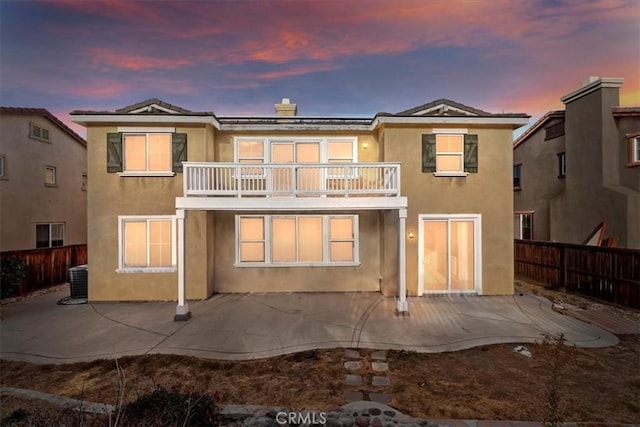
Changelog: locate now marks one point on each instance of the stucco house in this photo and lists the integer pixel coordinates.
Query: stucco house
(579, 167)
(185, 204)
(43, 181)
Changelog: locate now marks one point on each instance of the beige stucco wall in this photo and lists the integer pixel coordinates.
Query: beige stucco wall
(24, 199)
(111, 195)
(488, 193)
(364, 277)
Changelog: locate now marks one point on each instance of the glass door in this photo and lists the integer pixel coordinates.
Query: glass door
(287, 180)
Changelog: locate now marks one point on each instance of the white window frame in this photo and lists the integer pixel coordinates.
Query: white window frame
(146, 132)
(326, 243)
(323, 141)
(42, 134)
(55, 176)
(634, 151)
(477, 250)
(50, 225)
(449, 132)
(237, 159)
(520, 216)
(136, 218)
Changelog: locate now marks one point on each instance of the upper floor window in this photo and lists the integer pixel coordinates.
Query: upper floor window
(49, 235)
(562, 165)
(450, 154)
(50, 176)
(634, 151)
(554, 131)
(296, 150)
(146, 153)
(146, 243)
(3, 166)
(38, 132)
(516, 176)
(523, 225)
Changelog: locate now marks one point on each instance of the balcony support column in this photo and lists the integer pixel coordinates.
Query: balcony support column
(182, 309)
(402, 307)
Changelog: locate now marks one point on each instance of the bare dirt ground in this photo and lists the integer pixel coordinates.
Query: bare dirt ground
(492, 382)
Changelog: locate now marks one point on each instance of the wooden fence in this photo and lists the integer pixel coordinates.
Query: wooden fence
(48, 266)
(608, 274)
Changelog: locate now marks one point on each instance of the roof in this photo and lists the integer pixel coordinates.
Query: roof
(625, 111)
(22, 111)
(439, 111)
(551, 115)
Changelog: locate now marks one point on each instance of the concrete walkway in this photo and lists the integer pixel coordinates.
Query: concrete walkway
(247, 326)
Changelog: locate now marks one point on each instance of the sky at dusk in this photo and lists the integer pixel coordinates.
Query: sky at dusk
(331, 57)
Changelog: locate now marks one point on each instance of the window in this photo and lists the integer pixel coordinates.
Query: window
(562, 165)
(138, 153)
(49, 235)
(3, 166)
(146, 244)
(450, 154)
(297, 240)
(50, 176)
(634, 151)
(554, 131)
(523, 225)
(251, 151)
(516, 176)
(38, 132)
(84, 182)
(340, 151)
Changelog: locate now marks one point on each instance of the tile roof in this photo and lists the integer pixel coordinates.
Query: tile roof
(457, 105)
(625, 111)
(150, 102)
(557, 114)
(43, 112)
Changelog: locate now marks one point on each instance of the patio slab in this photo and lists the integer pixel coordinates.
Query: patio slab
(248, 326)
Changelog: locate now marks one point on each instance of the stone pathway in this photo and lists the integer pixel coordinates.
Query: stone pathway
(367, 373)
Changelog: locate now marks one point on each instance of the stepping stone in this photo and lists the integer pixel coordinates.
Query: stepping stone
(351, 354)
(353, 380)
(380, 366)
(379, 355)
(353, 396)
(352, 366)
(380, 381)
(383, 398)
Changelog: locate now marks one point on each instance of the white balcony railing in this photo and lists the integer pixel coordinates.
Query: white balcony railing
(291, 179)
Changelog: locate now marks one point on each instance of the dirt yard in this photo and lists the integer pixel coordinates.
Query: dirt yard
(492, 382)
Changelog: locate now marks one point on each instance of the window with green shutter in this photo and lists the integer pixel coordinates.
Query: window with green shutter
(146, 153)
(450, 154)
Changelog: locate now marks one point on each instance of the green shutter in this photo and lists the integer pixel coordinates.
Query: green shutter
(428, 153)
(179, 150)
(114, 152)
(471, 153)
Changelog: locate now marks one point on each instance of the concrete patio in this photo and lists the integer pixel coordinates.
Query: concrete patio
(247, 326)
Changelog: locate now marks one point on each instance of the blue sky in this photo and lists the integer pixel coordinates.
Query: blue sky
(332, 57)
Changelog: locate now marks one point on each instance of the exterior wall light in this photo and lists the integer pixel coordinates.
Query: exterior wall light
(411, 235)
(365, 145)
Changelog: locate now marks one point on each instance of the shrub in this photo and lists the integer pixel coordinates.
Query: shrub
(163, 407)
(12, 271)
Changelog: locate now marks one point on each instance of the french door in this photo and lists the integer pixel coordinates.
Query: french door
(449, 254)
(286, 180)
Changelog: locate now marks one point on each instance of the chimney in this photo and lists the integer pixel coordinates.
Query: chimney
(589, 80)
(592, 84)
(286, 108)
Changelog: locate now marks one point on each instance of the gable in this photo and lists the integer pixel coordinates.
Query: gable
(443, 107)
(153, 106)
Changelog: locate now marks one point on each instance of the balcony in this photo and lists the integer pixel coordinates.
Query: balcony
(292, 180)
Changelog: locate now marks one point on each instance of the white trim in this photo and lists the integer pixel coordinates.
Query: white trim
(477, 251)
(326, 242)
(444, 107)
(146, 174)
(451, 174)
(450, 131)
(155, 106)
(290, 203)
(145, 129)
(85, 119)
(174, 253)
(432, 120)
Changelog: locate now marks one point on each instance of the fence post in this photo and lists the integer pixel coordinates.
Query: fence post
(563, 267)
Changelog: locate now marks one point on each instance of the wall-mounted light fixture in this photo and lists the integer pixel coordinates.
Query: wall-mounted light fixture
(411, 235)
(365, 145)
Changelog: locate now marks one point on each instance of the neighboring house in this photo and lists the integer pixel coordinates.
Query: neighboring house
(186, 204)
(580, 167)
(43, 181)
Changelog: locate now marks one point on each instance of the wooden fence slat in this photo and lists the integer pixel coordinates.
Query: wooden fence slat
(608, 274)
(48, 266)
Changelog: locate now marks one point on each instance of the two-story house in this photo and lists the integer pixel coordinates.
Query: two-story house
(186, 204)
(43, 181)
(579, 167)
